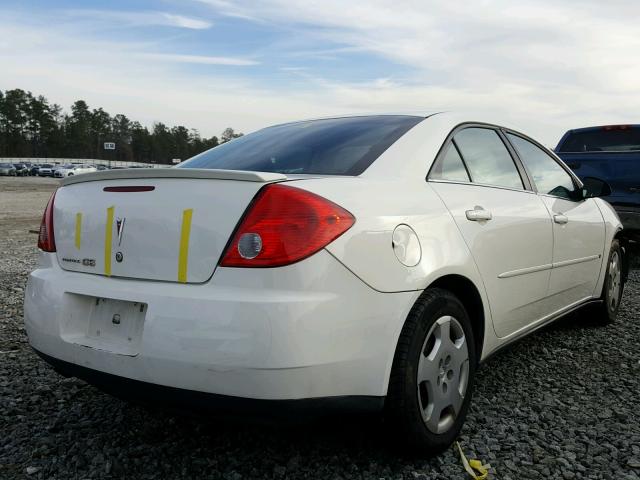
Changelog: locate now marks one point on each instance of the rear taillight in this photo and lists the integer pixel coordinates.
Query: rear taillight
(284, 225)
(46, 240)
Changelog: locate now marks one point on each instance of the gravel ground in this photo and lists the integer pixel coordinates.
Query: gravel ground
(563, 403)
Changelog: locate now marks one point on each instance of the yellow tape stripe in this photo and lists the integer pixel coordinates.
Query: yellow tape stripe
(108, 237)
(78, 229)
(474, 468)
(183, 258)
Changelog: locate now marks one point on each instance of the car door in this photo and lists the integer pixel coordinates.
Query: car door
(578, 226)
(504, 223)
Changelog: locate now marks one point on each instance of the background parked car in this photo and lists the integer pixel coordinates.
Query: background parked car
(21, 169)
(7, 169)
(33, 171)
(611, 153)
(46, 170)
(70, 170)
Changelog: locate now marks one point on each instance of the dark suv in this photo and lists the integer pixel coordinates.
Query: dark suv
(611, 153)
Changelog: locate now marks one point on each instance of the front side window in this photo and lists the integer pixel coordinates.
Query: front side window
(487, 158)
(449, 166)
(549, 177)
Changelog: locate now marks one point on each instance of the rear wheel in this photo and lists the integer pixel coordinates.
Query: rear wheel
(612, 288)
(432, 375)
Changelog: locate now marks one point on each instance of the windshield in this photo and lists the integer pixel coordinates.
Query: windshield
(619, 138)
(336, 146)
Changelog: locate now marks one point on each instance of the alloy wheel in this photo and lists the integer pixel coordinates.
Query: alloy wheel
(443, 374)
(615, 276)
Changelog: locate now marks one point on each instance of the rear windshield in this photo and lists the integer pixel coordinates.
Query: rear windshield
(337, 146)
(605, 139)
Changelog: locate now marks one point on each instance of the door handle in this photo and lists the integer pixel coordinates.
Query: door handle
(560, 218)
(478, 214)
(634, 189)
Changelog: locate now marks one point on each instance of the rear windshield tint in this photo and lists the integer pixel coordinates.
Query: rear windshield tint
(606, 139)
(337, 146)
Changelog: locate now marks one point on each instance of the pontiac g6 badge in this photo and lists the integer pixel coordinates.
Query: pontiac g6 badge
(120, 228)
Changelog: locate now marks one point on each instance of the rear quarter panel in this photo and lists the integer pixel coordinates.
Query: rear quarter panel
(367, 250)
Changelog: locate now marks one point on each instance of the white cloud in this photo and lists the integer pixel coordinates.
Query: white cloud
(200, 59)
(146, 86)
(549, 65)
(139, 19)
(186, 22)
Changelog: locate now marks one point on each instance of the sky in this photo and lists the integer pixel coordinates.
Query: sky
(542, 66)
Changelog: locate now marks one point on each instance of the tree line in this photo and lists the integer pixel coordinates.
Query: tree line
(31, 126)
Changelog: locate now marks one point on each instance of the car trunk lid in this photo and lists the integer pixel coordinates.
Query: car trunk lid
(154, 224)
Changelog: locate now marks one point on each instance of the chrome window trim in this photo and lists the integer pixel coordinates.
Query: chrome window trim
(527, 184)
(484, 185)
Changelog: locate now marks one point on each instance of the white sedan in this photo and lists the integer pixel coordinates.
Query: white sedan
(366, 263)
(73, 169)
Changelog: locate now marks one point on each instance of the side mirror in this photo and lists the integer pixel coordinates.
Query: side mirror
(594, 187)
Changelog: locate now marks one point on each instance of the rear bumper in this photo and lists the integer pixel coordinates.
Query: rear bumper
(309, 330)
(181, 400)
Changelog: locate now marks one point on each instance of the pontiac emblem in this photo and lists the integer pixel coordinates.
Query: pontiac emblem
(120, 228)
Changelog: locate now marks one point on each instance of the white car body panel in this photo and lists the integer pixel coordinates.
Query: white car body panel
(613, 226)
(513, 250)
(327, 325)
(295, 332)
(579, 246)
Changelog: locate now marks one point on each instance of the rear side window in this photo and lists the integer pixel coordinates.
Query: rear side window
(337, 146)
(550, 178)
(618, 138)
(487, 158)
(449, 167)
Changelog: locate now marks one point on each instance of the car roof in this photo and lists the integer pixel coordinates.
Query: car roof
(419, 147)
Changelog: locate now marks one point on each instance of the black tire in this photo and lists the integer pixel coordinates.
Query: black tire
(606, 312)
(403, 409)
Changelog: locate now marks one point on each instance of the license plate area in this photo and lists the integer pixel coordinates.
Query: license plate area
(106, 324)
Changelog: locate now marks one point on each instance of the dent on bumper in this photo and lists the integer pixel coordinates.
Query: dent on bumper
(309, 330)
